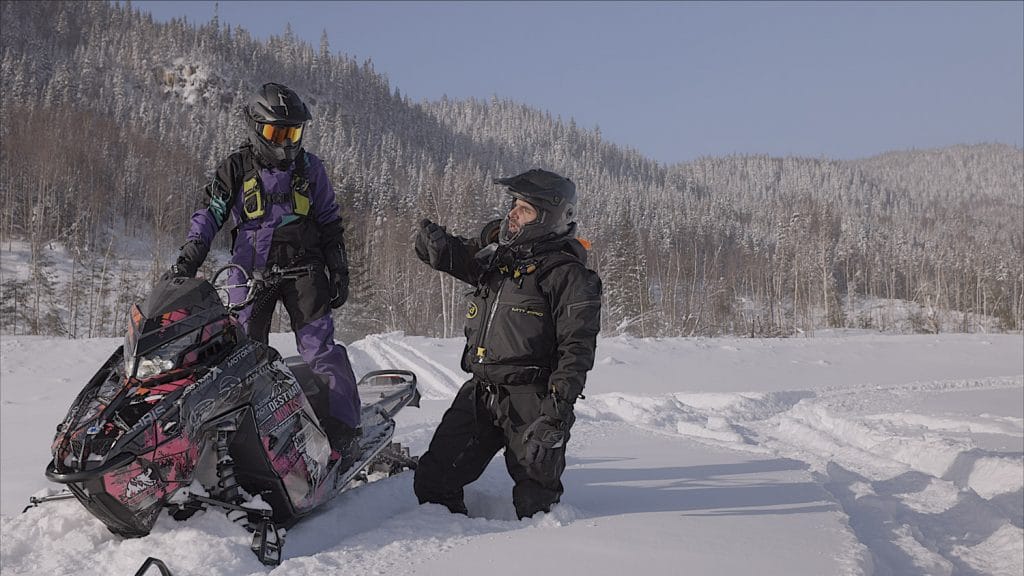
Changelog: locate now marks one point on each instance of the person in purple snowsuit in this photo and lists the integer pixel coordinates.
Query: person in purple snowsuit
(282, 205)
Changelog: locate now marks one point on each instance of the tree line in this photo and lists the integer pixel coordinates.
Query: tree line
(111, 124)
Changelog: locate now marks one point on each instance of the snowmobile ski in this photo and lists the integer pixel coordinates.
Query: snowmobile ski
(151, 562)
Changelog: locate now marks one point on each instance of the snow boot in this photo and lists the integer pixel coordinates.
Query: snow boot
(344, 441)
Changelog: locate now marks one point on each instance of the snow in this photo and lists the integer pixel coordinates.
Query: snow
(846, 453)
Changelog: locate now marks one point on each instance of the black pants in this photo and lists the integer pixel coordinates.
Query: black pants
(481, 421)
(306, 298)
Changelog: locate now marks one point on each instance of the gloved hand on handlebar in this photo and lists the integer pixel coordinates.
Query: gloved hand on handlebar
(190, 258)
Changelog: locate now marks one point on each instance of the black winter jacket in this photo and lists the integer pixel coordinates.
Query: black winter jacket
(534, 316)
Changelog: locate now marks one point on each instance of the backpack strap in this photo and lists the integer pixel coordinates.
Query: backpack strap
(254, 200)
(300, 185)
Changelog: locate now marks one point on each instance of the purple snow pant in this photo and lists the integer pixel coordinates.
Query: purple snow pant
(307, 301)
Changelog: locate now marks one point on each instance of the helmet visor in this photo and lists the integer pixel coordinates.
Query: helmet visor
(279, 134)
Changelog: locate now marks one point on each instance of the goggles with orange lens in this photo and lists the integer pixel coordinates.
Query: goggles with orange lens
(278, 134)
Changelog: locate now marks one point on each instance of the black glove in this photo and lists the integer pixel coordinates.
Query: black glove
(339, 288)
(547, 434)
(431, 241)
(178, 271)
(190, 258)
(337, 265)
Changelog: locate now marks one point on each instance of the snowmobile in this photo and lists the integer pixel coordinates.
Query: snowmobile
(190, 413)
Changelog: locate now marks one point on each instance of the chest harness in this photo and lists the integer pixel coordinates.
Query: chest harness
(255, 200)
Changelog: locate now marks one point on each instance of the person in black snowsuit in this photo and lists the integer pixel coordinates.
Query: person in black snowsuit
(531, 333)
(281, 202)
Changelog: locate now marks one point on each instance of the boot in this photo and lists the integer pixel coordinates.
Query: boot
(344, 441)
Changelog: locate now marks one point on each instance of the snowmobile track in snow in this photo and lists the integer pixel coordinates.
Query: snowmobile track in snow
(434, 379)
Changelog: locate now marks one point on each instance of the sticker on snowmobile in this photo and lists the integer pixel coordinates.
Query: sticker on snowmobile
(278, 401)
(139, 483)
(148, 418)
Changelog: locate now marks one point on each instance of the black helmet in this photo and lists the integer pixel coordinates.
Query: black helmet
(276, 115)
(552, 195)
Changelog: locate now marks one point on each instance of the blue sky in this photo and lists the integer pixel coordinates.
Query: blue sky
(680, 80)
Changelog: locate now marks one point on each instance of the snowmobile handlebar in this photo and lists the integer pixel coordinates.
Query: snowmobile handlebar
(256, 281)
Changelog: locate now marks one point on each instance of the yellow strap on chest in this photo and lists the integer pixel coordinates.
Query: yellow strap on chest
(300, 202)
(252, 198)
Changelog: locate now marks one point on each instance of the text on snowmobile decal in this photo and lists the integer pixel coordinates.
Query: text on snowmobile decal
(237, 356)
(256, 373)
(289, 408)
(149, 418)
(211, 375)
(277, 401)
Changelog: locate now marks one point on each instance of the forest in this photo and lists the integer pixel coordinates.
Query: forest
(111, 125)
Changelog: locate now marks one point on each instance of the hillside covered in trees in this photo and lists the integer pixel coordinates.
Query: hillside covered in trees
(111, 124)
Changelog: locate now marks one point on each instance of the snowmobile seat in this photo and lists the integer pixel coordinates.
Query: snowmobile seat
(313, 385)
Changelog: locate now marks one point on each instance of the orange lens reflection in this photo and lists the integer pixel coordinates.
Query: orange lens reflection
(278, 134)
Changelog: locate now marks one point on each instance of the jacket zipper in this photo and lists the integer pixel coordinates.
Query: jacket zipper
(480, 349)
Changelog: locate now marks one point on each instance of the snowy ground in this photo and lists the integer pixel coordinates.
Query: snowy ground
(850, 453)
